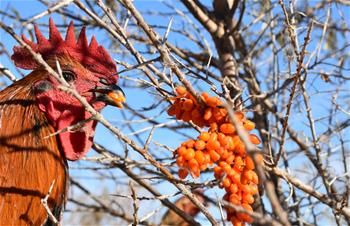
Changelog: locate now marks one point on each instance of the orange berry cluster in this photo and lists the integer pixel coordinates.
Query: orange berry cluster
(220, 146)
(186, 108)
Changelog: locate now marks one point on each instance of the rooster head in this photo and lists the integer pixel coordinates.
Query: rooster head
(87, 67)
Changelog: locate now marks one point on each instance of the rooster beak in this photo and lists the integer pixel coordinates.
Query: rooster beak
(110, 94)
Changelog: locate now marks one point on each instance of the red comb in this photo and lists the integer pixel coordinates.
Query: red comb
(93, 56)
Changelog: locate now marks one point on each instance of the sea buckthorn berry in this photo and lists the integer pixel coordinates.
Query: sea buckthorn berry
(254, 189)
(236, 141)
(240, 148)
(213, 127)
(217, 114)
(254, 139)
(222, 164)
(195, 113)
(248, 125)
(235, 175)
(213, 136)
(244, 180)
(211, 120)
(180, 161)
(207, 157)
(189, 154)
(218, 172)
(203, 167)
(229, 214)
(220, 150)
(236, 222)
(180, 90)
(237, 196)
(195, 172)
(255, 178)
(234, 199)
(230, 159)
(212, 145)
(227, 168)
(239, 115)
(183, 173)
(231, 174)
(248, 198)
(178, 113)
(243, 216)
(234, 188)
(205, 96)
(204, 136)
(212, 101)
(227, 128)
(244, 187)
(199, 156)
(248, 174)
(181, 151)
(222, 139)
(225, 154)
(199, 122)
(214, 156)
(193, 164)
(226, 182)
(207, 114)
(190, 143)
(230, 144)
(249, 163)
(186, 116)
(199, 144)
(239, 164)
(223, 111)
(187, 105)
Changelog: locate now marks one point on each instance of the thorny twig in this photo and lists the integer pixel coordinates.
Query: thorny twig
(46, 206)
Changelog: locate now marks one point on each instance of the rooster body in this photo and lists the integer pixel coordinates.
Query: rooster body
(29, 163)
(32, 157)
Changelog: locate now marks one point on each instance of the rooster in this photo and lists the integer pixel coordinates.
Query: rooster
(33, 109)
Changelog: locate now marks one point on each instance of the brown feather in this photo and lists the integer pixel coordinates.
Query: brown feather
(170, 218)
(29, 162)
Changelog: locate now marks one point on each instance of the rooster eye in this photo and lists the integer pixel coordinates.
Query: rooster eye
(68, 76)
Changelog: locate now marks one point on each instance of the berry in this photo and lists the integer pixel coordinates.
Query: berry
(189, 154)
(199, 156)
(204, 136)
(183, 173)
(180, 90)
(219, 148)
(248, 125)
(254, 139)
